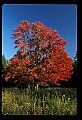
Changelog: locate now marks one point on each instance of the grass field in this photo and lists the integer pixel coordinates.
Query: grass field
(48, 101)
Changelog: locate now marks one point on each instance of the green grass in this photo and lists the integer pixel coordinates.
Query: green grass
(53, 101)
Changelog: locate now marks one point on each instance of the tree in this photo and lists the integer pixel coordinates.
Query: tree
(75, 65)
(73, 79)
(4, 65)
(4, 69)
(72, 82)
(41, 58)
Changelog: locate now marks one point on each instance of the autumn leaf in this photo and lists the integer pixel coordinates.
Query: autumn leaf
(41, 53)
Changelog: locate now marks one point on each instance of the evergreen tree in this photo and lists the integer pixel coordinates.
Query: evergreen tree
(4, 70)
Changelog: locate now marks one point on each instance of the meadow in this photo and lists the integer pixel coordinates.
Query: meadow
(46, 101)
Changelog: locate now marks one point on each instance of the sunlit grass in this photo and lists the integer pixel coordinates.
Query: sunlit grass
(25, 102)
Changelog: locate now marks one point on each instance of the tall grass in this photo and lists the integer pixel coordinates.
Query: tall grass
(56, 101)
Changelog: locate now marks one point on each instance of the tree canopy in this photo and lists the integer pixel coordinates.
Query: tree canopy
(41, 55)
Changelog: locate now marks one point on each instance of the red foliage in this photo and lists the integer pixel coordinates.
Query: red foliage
(42, 55)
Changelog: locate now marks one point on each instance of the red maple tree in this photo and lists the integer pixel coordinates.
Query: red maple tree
(41, 55)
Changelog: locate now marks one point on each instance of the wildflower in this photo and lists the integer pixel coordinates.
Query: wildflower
(63, 95)
(68, 98)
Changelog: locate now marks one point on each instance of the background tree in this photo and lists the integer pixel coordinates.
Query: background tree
(73, 80)
(75, 65)
(4, 69)
(41, 58)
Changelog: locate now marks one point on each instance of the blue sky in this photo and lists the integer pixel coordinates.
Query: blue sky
(61, 17)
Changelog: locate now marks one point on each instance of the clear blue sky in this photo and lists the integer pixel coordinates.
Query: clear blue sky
(61, 17)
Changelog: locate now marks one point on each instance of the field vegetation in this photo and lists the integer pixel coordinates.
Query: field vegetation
(48, 101)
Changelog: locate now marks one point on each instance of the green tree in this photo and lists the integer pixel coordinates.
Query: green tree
(75, 65)
(4, 70)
